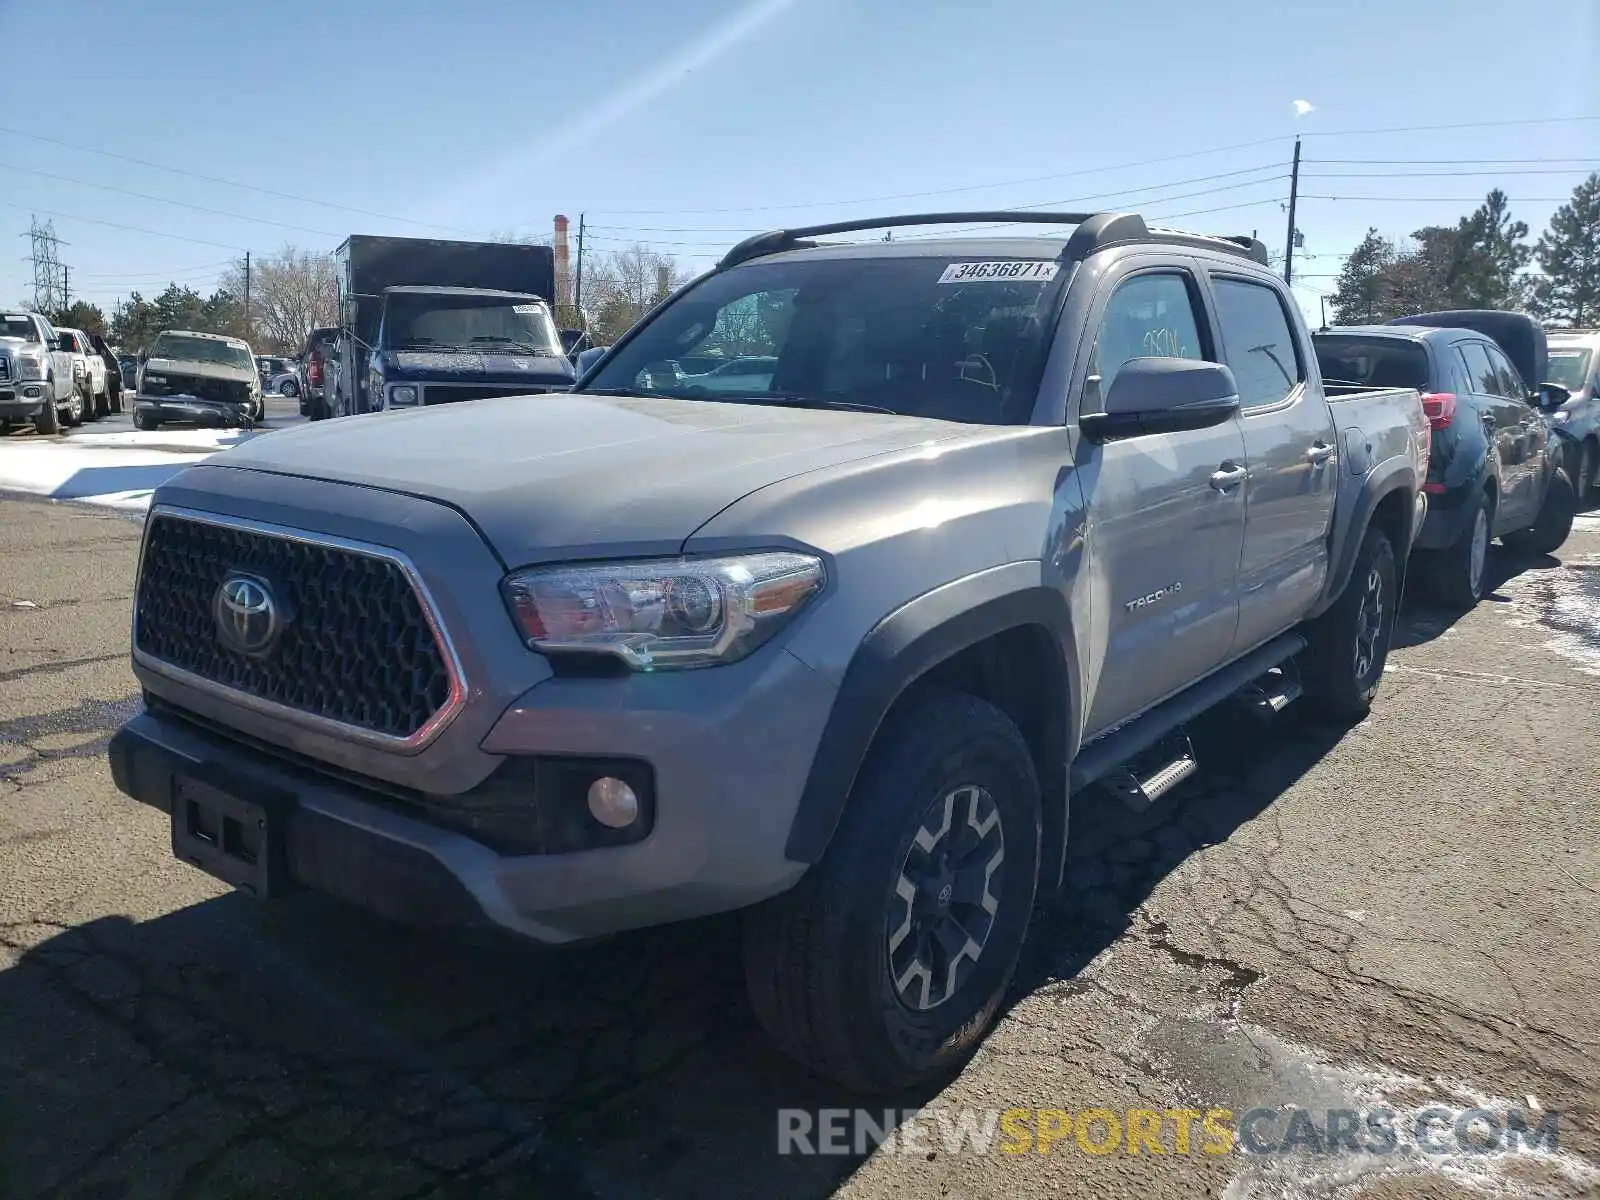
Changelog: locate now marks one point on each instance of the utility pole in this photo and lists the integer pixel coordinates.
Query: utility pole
(1294, 196)
(247, 295)
(577, 283)
(1324, 300)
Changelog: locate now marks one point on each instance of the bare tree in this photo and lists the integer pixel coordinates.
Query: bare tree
(620, 288)
(291, 293)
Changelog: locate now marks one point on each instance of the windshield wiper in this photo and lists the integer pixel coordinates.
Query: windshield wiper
(791, 400)
(525, 347)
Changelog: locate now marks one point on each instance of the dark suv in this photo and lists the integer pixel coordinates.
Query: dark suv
(1496, 469)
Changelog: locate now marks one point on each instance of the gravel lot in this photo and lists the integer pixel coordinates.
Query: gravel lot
(1403, 912)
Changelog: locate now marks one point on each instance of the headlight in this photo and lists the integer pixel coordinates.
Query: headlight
(30, 365)
(402, 394)
(659, 613)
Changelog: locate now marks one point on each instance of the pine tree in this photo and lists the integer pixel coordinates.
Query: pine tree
(1569, 256)
(1487, 258)
(1362, 295)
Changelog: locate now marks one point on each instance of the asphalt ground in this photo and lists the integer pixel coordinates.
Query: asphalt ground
(1404, 914)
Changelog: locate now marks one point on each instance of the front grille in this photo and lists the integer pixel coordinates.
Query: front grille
(5, 368)
(356, 646)
(224, 391)
(450, 393)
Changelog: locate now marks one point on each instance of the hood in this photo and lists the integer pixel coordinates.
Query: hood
(14, 344)
(577, 475)
(202, 370)
(417, 366)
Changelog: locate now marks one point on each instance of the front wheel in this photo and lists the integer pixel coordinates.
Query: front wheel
(887, 963)
(1549, 533)
(144, 419)
(1583, 475)
(288, 388)
(48, 420)
(73, 416)
(1349, 644)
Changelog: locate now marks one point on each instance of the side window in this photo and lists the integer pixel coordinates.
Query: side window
(1480, 371)
(1258, 342)
(1510, 380)
(1148, 316)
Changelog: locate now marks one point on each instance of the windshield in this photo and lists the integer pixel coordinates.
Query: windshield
(1569, 368)
(421, 321)
(197, 349)
(1372, 362)
(13, 325)
(927, 336)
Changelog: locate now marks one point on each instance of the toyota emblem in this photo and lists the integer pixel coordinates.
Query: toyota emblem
(248, 618)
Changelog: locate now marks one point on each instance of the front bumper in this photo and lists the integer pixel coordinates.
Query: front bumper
(193, 408)
(22, 399)
(727, 763)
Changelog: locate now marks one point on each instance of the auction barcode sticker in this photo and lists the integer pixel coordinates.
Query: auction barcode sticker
(1025, 270)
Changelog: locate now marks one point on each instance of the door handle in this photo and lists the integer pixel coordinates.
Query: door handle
(1228, 476)
(1320, 453)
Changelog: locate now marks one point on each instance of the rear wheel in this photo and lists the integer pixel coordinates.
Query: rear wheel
(1583, 478)
(1349, 644)
(1549, 533)
(144, 419)
(887, 963)
(73, 416)
(1455, 575)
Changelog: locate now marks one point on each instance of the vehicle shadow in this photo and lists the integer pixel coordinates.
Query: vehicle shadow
(140, 481)
(1423, 619)
(303, 1048)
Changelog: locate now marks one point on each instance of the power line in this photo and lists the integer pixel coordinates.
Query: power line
(1495, 172)
(1446, 162)
(178, 237)
(1453, 125)
(156, 273)
(217, 212)
(1443, 199)
(249, 187)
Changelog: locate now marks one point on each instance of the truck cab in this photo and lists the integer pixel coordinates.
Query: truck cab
(441, 345)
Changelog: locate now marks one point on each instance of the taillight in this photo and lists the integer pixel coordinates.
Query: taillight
(1440, 408)
(314, 369)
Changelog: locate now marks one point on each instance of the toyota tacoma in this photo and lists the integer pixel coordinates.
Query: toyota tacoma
(835, 650)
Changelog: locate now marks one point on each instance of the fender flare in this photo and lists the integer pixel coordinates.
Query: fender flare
(1346, 543)
(902, 647)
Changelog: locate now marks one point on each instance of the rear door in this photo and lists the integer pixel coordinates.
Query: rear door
(1166, 510)
(1289, 442)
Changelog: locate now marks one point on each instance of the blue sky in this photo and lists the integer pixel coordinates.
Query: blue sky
(687, 124)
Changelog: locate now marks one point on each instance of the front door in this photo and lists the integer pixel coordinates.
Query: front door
(1291, 446)
(1502, 419)
(1533, 434)
(1166, 511)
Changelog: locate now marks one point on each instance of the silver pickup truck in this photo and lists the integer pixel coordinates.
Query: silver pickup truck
(1007, 513)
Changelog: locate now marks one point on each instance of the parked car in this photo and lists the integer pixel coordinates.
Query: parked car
(314, 371)
(826, 651)
(36, 374)
(286, 381)
(88, 372)
(1495, 470)
(1575, 366)
(746, 374)
(203, 378)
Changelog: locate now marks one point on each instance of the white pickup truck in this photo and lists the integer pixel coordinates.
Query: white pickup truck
(88, 373)
(36, 377)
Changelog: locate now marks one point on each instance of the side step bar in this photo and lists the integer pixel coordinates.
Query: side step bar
(1101, 757)
(1173, 761)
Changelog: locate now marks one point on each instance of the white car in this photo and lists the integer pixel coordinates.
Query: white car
(88, 372)
(751, 374)
(36, 381)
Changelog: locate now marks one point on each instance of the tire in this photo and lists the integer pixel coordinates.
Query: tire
(143, 420)
(820, 959)
(1455, 575)
(73, 417)
(288, 388)
(48, 421)
(1349, 644)
(102, 403)
(116, 400)
(1549, 533)
(1583, 480)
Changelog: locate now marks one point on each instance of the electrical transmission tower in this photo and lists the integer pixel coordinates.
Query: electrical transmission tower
(49, 275)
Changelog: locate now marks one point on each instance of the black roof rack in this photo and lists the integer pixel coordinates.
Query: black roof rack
(1095, 231)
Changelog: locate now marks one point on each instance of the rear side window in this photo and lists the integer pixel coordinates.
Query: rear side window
(1480, 371)
(1258, 342)
(1372, 363)
(1148, 316)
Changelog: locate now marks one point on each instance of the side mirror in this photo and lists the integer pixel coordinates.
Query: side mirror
(1552, 395)
(587, 358)
(348, 311)
(1163, 395)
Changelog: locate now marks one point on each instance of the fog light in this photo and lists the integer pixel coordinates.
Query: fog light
(613, 803)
